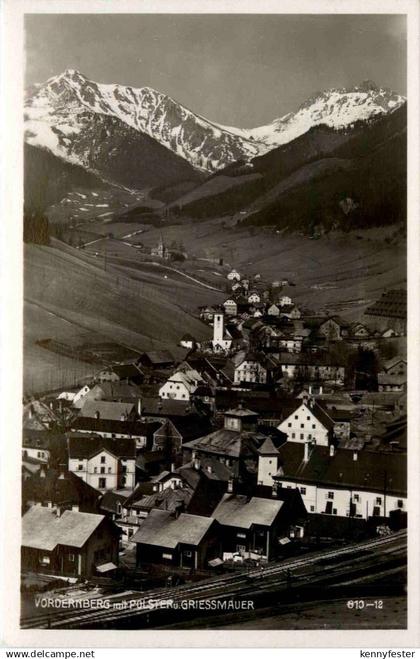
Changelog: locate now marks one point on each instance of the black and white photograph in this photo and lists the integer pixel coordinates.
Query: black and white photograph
(215, 366)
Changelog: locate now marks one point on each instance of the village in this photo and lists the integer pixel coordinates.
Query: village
(284, 432)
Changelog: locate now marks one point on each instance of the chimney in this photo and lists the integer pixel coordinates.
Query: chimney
(306, 452)
(274, 490)
(97, 414)
(122, 417)
(230, 486)
(30, 411)
(355, 456)
(197, 464)
(173, 485)
(172, 467)
(209, 469)
(331, 450)
(63, 469)
(139, 407)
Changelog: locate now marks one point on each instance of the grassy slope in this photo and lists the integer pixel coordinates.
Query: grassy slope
(341, 271)
(69, 297)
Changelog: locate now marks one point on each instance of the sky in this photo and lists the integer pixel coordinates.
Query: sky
(238, 70)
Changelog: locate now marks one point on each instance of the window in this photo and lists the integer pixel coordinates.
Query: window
(241, 535)
(308, 418)
(303, 490)
(302, 425)
(102, 470)
(356, 497)
(103, 458)
(124, 469)
(102, 483)
(302, 436)
(44, 560)
(109, 470)
(400, 503)
(95, 470)
(379, 501)
(289, 425)
(330, 495)
(188, 554)
(312, 509)
(309, 436)
(80, 467)
(293, 435)
(167, 556)
(71, 558)
(313, 426)
(296, 416)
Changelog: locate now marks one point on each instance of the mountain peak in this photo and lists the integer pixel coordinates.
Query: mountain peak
(368, 86)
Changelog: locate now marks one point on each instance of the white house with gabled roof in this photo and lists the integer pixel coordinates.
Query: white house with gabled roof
(308, 422)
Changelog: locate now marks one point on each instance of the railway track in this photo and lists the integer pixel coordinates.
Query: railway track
(324, 566)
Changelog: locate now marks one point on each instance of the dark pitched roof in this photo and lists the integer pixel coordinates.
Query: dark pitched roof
(107, 409)
(268, 448)
(87, 447)
(124, 371)
(239, 511)
(157, 357)
(162, 529)
(129, 428)
(392, 304)
(61, 488)
(372, 471)
(166, 407)
(110, 500)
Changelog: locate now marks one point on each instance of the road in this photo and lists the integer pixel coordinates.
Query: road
(316, 571)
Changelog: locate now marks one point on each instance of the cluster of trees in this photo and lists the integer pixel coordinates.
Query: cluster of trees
(38, 230)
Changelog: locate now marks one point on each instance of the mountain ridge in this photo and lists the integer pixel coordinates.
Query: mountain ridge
(56, 113)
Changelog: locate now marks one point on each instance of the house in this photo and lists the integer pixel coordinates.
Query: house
(117, 392)
(78, 398)
(285, 301)
(183, 540)
(72, 544)
(308, 422)
(112, 505)
(170, 492)
(120, 372)
(230, 307)
(207, 313)
(388, 382)
(105, 464)
(394, 375)
(342, 482)
(359, 331)
(141, 432)
(160, 250)
(235, 445)
(249, 367)
(182, 384)
(331, 328)
(234, 275)
(222, 341)
(396, 366)
(59, 488)
(249, 524)
(236, 286)
(36, 445)
(108, 410)
(273, 310)
(389, 312)
(188, 341)
(157, 359)
(290, 311)
(308, 367)
(254, 297)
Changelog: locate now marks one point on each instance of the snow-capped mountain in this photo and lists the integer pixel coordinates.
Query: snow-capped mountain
(76, 119)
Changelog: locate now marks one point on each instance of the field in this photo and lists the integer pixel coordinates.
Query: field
(71, 298)
(340, 272)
